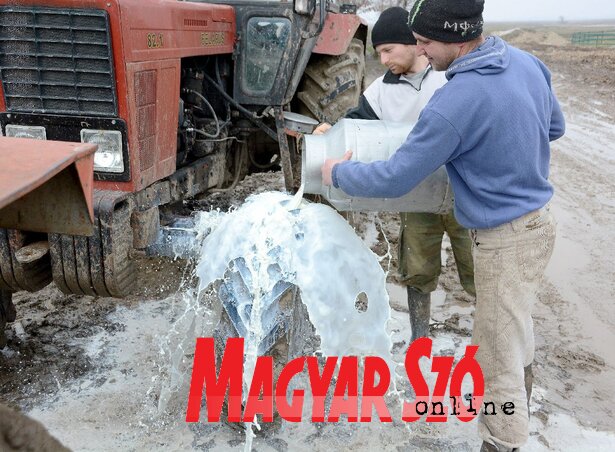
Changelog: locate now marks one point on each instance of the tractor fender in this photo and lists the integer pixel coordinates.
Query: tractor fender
(338, 32)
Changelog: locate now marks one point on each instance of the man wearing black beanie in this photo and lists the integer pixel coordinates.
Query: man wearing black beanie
(457, 25)
(449, 20)
(399, 96)
(409, 83)
(392, 27)
(491, 125)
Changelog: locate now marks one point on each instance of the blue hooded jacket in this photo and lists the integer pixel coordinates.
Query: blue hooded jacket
(491, 125)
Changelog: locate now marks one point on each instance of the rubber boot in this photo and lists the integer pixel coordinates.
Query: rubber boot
(419, 305)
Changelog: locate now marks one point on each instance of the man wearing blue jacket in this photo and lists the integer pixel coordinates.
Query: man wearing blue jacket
(491, 125)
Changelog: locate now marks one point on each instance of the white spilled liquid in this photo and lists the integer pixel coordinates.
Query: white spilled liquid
(317, 251)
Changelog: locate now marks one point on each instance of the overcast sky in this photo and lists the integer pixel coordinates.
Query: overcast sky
(521, 10)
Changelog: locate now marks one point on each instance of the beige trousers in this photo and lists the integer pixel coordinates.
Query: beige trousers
(509, 263)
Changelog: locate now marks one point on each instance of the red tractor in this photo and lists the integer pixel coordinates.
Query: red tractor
(179, 97)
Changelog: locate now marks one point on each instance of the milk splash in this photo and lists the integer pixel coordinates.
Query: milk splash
(313, 248)
(319, 252)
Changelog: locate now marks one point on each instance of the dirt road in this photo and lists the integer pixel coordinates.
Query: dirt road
(92, 369)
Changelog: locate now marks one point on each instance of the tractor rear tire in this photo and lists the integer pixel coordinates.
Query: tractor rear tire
(332, 85)
(7, 313)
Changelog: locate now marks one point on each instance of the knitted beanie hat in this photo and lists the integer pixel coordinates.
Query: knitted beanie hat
(392, 28)
(448, 20)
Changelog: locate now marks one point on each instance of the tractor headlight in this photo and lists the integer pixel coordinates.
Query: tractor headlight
(35, 132)
(109, 157)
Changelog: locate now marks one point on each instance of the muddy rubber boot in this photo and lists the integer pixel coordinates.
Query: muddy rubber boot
(419, 305)
(529, 379)
(7, 313)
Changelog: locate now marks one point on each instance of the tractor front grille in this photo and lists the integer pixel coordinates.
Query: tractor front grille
(57, 61)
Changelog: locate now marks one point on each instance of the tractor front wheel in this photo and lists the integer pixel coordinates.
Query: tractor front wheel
(332, 85)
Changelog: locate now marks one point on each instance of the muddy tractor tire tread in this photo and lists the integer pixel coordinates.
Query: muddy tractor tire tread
(332, 85)
(98, 265)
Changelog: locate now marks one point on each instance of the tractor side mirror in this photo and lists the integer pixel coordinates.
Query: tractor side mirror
(305, 7)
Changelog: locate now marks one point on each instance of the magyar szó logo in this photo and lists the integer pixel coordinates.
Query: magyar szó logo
(267, 396)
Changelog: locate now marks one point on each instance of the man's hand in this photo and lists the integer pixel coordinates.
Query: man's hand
(327, 168)
(322, 128)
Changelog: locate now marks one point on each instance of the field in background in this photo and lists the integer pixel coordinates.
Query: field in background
(564, 29)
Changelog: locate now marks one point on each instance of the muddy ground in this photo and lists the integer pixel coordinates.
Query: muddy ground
(91, 369)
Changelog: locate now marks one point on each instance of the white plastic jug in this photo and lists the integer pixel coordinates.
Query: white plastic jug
(370, 141)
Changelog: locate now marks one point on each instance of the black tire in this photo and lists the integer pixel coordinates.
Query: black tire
(236, 296)
(7, 313)
(100, 264)
(332, 85)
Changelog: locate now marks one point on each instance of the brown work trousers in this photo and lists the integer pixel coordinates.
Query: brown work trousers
(420, 247)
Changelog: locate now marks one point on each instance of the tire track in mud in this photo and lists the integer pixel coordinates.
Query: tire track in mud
(575, 319)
